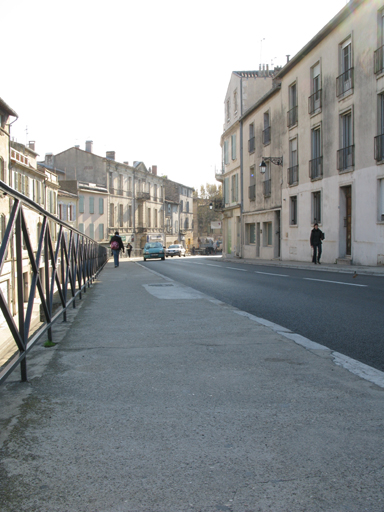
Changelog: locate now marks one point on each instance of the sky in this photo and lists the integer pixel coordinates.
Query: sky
(146, 79)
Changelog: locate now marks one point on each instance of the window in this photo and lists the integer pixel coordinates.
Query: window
(2, 174)
(81, 227)
(267, 184)
(81, 204)
(2, 230)
(155, 216)
(101, 231)
(226, 152)
(130, 184)
(251, 141)
(293, 169)
(92, 230)
(121, 184)
(187, 205)
(71, 212)
(226, 191)
(101, 205)
(250, 233)
(155, 192)
(121, 215)
(235, 188)
(111, 182)
(315, 98)
(379, 54)
(181, 205)
(381, 200)
(344, 82)
(252, 184)
(267, 129)
(235, 101)
(233, 146)
(129, 216)
(267, 234)
(112, 214)
(227, 110)
(316, 162)
(379, 140)
(293, 210)
(91, 205)
(148, 217)
(292, 112)
(316, 207)
(346, 155)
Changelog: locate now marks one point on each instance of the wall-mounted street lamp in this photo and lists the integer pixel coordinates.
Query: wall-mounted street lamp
(210, 206)
(276, 160)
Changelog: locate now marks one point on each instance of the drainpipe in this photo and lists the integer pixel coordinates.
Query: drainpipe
(134, 210)
(241, 171)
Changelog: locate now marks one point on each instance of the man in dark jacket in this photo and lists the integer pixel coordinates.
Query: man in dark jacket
(116, 246)
(316, 237)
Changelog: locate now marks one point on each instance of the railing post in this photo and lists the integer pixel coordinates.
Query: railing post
(20, 293)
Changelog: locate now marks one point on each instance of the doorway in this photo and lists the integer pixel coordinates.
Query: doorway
(346, 221)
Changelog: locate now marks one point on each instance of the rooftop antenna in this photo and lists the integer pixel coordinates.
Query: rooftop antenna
(26, 135)
(261, 49)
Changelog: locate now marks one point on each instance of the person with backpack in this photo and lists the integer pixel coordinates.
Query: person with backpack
(116, 246)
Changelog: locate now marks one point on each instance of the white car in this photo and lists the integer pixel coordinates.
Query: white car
(175, 250)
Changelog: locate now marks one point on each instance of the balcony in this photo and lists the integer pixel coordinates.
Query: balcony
(267, 188)
(293, 175)
(344, 82)
(252, 192)
(316, 168)
(292, 117)
(251, 145)
(314, 102)
(120, 192)
(143, 196)
(379, 60)
(346, 158)
(219, 175)
(266, 136)
(379, 148)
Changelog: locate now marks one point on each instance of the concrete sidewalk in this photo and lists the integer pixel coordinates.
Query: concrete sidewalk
(160, 399)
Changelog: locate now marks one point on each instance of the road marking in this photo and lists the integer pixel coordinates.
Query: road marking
(212, 265)
(334, 282)
(270, 274)
(239, 269)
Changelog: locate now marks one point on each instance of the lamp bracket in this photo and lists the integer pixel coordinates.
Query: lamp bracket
(276, 160)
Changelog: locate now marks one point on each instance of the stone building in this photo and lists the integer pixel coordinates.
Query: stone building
(181, 195)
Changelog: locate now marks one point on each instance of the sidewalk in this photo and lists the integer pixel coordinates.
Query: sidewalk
(160, 399)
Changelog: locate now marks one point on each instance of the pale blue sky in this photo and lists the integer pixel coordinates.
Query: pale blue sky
(145, 79)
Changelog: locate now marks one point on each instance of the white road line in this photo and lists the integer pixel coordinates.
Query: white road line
(212, 265)
(270, 274)
(239, 269)
(334, 282)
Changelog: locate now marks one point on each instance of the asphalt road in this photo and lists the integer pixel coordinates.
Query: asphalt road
(343, 313)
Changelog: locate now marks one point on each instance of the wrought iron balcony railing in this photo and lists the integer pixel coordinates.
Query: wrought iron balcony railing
(252, 192)
(379, 60)
(251, 145)
(344, 82)
(143, 196)
(292, 117)
(314, 102)
(266, 136)
(346, 158)
(379, 148)
(293, 175)
(267, 188)
(61, 262)
(316, 168)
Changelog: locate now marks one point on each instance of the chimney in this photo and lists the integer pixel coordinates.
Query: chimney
(31, 145)
(89, 146)
(288, 58)
(111, 155)
(77, 147)
(154, 170)
(49, 159)
(267, 69)
(126, 163)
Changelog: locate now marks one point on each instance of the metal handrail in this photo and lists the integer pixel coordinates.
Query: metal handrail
(71, 261)
(316, 168)
(345, 82)
(314, 101)
(293, 175)
(379, 60)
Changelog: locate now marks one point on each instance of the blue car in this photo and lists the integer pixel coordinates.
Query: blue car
(153, 250)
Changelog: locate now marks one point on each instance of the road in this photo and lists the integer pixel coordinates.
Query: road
(333, 309)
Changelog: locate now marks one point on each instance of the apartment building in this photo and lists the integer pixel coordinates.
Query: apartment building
(319, 134)
(180, 195)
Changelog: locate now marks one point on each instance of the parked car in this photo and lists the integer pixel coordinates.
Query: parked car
(175, 250)
(153, 250)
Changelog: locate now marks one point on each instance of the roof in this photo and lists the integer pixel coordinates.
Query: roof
(6, 108)
(65, 193)
(92, 187)
(324, 32)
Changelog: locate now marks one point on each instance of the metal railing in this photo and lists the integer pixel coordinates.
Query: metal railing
(292, 117)
(379, 148)
(316, 168)
(266, 136)
(293, 175)
(143, 196)
(379, 60)
(61, 263)
(345, 158)
(267, 188)
(344, 82)
(314, 102)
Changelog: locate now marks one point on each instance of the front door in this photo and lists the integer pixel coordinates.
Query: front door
(348, 220)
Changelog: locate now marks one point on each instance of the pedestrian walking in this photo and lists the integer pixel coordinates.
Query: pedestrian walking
(129, 249)
(116, 246)
(317, 236)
